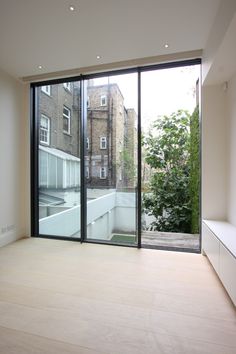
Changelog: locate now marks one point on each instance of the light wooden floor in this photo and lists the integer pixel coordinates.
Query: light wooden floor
(65, 298)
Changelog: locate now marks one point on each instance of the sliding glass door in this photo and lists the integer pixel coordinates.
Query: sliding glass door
(117, 157)
(171, 158)
(107, 166)
(59, 162)
(111, 159)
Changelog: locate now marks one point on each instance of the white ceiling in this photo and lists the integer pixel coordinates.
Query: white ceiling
(45, 32)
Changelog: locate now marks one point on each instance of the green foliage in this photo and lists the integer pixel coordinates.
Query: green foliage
(167, 149)
(128, 164)
(195, 170)
(127, 167)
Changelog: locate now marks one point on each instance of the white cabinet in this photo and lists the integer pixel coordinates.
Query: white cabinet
(219, 245)
(211, 246)
(227, 272)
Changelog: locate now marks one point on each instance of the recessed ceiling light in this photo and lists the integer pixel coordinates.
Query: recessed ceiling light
(40, 67)
(166, 45)
(71, 8)
(98, 56)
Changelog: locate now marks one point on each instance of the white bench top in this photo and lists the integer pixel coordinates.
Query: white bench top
(225, 232)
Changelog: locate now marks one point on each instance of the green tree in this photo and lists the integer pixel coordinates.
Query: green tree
(195, 171)
(168, 154)
(128, 165)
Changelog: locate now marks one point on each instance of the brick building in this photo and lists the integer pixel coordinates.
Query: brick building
(111, 141)
(111, 138)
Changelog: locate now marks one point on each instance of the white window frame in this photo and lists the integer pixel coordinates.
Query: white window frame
(46, 89)
(67, 86)
(87, 143)
(45, 130)
(103, 142)
(103, 172)
(67, 116)
(103, 97)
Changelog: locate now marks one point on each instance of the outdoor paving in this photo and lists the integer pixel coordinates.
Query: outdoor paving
(170, 239)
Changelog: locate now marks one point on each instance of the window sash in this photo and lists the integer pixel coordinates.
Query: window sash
(44, 132)
(66, 120)
(103, 101)
(103, 143)
(103, 173)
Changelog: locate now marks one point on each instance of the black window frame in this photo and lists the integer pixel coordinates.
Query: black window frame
(34, 136)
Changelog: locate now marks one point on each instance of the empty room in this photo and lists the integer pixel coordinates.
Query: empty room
(117, 170)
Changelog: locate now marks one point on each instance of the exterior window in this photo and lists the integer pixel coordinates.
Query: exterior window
(66, 120)
(46, 89)
(103, 100)
(88, 102)
(67, 86)
(103, 172)
(87, 143)
(44, 133)
(103, 142)
(87, 172)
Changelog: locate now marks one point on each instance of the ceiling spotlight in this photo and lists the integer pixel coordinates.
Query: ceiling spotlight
(98, 56)
(71, 8)
(40, 67)
(166, 45)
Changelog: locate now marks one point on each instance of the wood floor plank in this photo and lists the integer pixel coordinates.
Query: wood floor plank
(114, 300)
(18, 342)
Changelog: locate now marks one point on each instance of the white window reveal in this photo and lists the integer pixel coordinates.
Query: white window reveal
(46, 89)
(44, 132)
(67, 86)
(66, 120)
(103, 143)
(103, 172)
(103, 101)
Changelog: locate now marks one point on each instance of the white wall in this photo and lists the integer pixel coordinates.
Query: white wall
(125, 213)
(111, 213)
(223, 18)
(14, 165)
(231, 103)
(214, 152)
(66, 223)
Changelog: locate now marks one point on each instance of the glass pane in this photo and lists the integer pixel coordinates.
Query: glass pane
(170, 158)
(111, 159)
(59, 160)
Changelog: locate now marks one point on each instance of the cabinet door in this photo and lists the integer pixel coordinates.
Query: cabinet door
(211, 246)
(227, 272)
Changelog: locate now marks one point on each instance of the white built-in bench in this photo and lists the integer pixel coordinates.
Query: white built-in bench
(219, 245)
